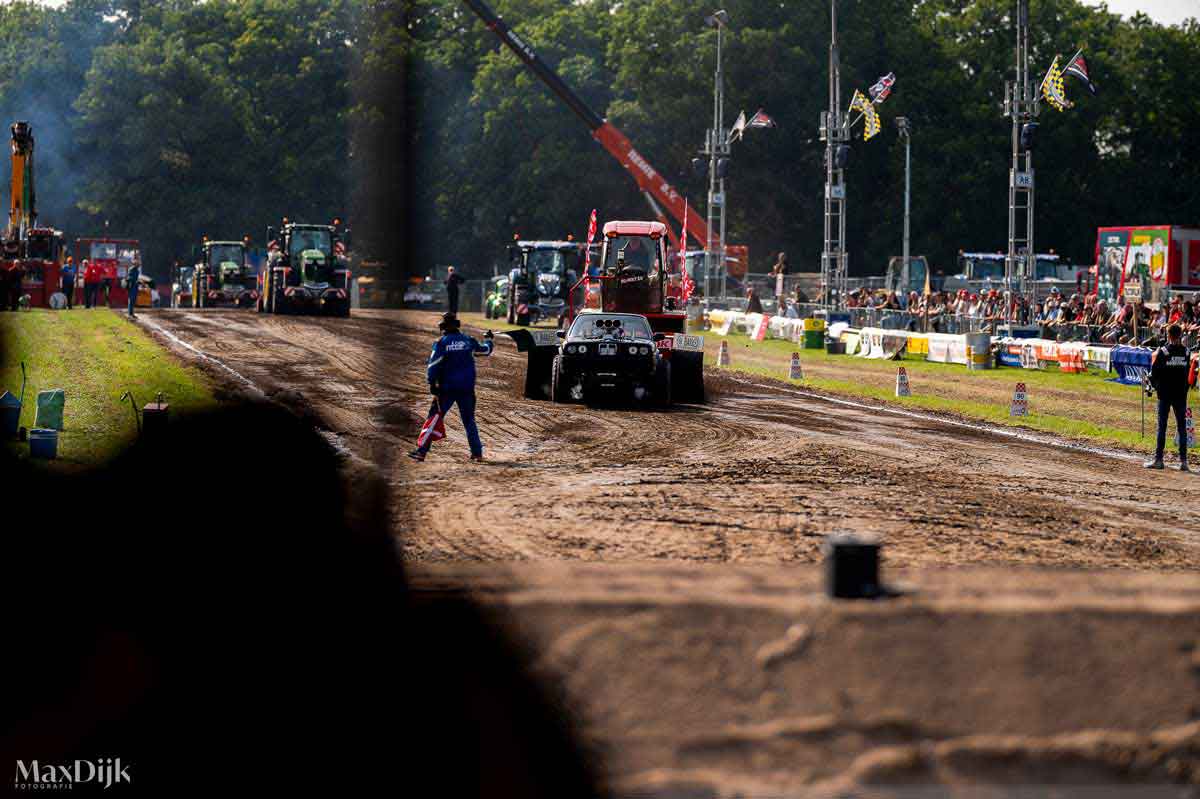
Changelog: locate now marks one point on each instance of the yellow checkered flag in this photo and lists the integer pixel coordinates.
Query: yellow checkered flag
(1053, 89)
(871, 124)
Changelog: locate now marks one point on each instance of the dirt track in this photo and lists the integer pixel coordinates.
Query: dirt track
(740, 678)
(760, 475)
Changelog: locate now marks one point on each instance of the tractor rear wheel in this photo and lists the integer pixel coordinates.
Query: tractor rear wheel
(687, 371)
(662, 384)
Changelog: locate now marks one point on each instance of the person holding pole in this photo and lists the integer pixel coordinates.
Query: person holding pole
(1169, 377)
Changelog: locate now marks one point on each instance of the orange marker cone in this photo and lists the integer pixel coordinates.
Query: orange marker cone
(902, 387)
(723, 355)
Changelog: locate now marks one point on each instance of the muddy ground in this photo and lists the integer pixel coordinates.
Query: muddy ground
(662, 566)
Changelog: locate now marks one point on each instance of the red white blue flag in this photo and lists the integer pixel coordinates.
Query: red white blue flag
(587, 260)
(434, 428)
(882, 88)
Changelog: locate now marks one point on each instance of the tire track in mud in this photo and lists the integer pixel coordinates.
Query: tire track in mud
(759, 475)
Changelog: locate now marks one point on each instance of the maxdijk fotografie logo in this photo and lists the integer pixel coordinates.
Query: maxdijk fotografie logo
(35, 776)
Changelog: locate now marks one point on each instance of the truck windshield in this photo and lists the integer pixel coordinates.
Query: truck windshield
(547, 261)
(302, 240)
(916, 274)
(982, 268)
(596, 326)
(103, 250)
(639, 252)
(1047, 269)
(41, 247)
(223, 253)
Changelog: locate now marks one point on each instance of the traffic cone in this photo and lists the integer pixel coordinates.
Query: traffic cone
(794, 371)
(1020, 402)
(902, 387)
(723, 355)
(1190, 426)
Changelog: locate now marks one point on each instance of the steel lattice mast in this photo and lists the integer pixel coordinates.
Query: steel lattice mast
(835, 133)
(1021, 105)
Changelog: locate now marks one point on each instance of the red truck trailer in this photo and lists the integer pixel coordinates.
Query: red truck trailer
(114, 257)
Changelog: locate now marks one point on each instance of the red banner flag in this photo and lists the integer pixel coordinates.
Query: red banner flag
(434, 428)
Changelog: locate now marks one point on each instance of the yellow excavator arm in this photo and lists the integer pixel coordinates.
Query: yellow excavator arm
(22, 214)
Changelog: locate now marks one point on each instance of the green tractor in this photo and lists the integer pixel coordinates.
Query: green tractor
(223, 276)
(307, 270)
(495, 304)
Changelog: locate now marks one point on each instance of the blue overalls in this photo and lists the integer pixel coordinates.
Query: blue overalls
(131, 281)
(452, 371)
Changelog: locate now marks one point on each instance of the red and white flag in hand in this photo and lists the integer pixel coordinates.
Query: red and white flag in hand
(434, 428)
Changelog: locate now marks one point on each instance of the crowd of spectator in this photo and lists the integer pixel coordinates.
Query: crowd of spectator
(1129, 323)
(1078, 317)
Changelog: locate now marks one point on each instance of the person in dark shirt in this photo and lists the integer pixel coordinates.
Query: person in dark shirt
(753, 303)
(67, 281)
(453, 281)
(1169, 377)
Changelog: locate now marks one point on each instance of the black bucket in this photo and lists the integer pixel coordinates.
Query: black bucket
(852, 567)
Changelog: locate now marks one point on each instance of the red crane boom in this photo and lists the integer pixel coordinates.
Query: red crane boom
(657, 190)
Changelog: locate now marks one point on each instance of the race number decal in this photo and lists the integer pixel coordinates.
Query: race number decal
(681, 341)
(545, 338)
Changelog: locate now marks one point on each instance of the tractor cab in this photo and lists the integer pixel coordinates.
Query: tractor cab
(41, 264)
(638, 276)
(222, 275)
(540, 277)
(307, 270)
(226, 261)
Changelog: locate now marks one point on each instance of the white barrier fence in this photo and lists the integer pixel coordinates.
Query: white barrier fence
(968, 349)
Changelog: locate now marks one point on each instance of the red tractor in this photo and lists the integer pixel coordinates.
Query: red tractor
(636, 276)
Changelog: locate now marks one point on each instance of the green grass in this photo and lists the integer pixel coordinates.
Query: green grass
(1087, 407)
(94, 356)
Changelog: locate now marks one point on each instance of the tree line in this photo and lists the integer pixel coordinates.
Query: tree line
(168, 120)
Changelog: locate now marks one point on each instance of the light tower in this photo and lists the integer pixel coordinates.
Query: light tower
(835, 133)
(1021, 105)
(717, 150)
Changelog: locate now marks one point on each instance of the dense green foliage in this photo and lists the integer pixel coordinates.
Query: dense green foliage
(180, 117)
(174, 119)
(499, 153)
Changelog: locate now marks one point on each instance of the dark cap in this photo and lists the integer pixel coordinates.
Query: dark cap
(449, 322)
(1174, 331)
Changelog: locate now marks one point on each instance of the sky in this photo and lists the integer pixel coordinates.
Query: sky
(1168, 12)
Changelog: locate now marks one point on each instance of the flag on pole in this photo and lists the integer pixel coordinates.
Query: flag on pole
(882, 88)
(739, 127)
(761, 120)
(587, 258)
(1053, 89)
(871, 125)
(434, 428)
(1078, 68)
